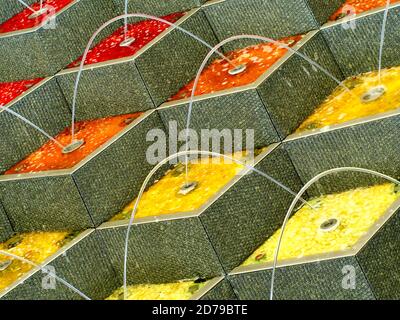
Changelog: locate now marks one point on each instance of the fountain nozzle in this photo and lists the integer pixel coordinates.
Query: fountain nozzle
(5, 264)
(74, 145)
(329, 225)
(239, 69)
(187, 188)
(38, 13)
(373, 94)
(127, 42)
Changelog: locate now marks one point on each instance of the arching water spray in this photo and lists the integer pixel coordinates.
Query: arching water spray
(27, 6)
(299, 196)
(166, 160)
(254, 37)
(15, 114)
(45, 270)
(105, 25)
(385, 15)
(126, 20)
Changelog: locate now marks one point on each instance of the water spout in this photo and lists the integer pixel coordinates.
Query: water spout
(385, 15)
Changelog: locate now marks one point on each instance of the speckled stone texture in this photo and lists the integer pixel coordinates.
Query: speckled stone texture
(156, 7)
(85, 266)
(6, 229)
(45, 107)
(181, 57)
(322, 9)
(122, 91)
(162, 252)
(253, 208)
(312, 281)
(363, 41)
(46, 51)
(372, 145)
(52, 203)
(297, 87)
(240, 110)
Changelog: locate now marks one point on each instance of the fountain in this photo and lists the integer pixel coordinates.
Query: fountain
(31, 112)
(185, 225)
(65, 150)
(254, 37)
(225, 226)
(74, 158)
(318, 246)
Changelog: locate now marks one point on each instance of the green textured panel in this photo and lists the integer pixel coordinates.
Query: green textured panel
(9, 8)
(373, 145)
(364, 41)
(251, 210)
(162, 252)
(51, 203)
(312, 281)
(241, 110)
(380, 260)
(293, 91)
(85, 266)
(122, 91)
(5, 226)
(222, 291)
(156, 7)
(45, 107)
(323, 9)
(272, 18)
(46, 51)
(181, 57)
